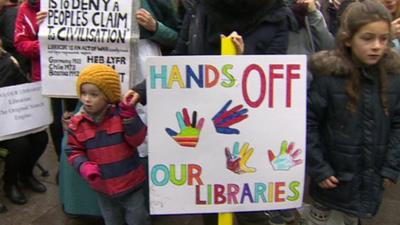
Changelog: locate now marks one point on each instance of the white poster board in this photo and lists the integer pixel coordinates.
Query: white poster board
(22, 109)
(244, 151)
(78, 33)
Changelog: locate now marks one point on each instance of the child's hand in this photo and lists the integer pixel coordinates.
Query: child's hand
(387, 183)
(40, 17)
(90, 171)
(66, 119)
(131, 97)
(127, 110)
(329, 183)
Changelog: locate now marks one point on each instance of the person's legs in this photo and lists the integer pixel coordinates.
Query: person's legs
(38, 142)
(56, 130)
(135, 209)
(111, 210)
(252, 218)
(14, 161)
(3, 208)
(210, 219)
(350, 219)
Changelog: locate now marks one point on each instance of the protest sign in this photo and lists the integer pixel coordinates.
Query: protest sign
(226, 133)
(23, 109)
(81, 32)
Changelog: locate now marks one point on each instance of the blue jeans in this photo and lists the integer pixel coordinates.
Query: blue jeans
(129, 209)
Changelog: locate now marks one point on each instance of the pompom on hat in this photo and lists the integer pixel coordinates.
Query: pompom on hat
(104, 77)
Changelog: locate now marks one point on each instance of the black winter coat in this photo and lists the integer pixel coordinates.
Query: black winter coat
(200, 33)
(359, 148)
(8, 16)
(10, 72)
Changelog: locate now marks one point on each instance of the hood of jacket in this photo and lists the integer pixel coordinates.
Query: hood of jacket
(34, 4)
(331, 63)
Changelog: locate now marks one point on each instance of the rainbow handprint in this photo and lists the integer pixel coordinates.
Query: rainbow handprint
(237, 161)
(190, 131)
(286, 158)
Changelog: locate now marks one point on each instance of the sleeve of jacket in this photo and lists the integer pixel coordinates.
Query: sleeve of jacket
(25, 38)
(75, 150)
(317, 166)
(181, 47)
(280, 41)
(391, 165)
(322, 38)
(135, 130)
(165, 35)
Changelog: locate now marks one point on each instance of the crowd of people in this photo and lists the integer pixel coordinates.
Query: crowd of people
(353, 136)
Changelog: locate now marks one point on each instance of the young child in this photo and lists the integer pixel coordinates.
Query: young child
(353, 122)
(102, 139)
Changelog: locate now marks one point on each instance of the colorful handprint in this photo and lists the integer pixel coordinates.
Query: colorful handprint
(237, 160)
(224, 119)
(190, 131)
(286, 158)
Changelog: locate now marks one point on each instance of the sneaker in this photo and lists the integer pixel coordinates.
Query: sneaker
(275, 218)
(287, 215)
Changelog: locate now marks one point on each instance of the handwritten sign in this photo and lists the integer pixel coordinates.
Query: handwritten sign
(226, 133)
(23, 108)
(77, 33)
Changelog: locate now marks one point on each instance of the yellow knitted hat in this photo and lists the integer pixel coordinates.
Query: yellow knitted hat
(104, 77)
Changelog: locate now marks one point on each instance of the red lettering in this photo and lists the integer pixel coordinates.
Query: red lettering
(272, 77)
(198, 201)
(219, 197)
(233, 191)
(246, 73)
(279, 191)
(290, 76)
(208, 81)
(194, 172)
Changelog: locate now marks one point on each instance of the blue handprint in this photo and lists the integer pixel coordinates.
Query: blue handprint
(224, 119)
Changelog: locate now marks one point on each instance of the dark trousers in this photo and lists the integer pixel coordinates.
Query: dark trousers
(23, 153)
(243, 218)
(58, 105)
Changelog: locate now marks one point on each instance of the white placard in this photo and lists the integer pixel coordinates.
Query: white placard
(22, 109)
(78, 33)
(233, 162)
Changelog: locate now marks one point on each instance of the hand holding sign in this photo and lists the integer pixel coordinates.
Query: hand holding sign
(237, 161)
(223, 119)
(286, 158)
(190, 131)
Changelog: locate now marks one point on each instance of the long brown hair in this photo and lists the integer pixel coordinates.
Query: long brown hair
(357, 15)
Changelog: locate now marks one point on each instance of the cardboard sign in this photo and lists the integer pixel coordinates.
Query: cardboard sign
(78, 33)
(226, 133)
(23, 108)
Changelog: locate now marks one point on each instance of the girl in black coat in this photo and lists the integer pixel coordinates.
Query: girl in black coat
(353, 122)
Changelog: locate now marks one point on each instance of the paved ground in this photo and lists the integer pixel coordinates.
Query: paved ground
(45, 209)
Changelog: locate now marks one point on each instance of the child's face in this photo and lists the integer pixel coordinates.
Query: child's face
(391, 5)
(369, 44)
(93, 99)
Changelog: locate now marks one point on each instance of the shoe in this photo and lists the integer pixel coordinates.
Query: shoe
(275, 218)
(3, 208)
(32, 183)
(287, 215)
(15, 195)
